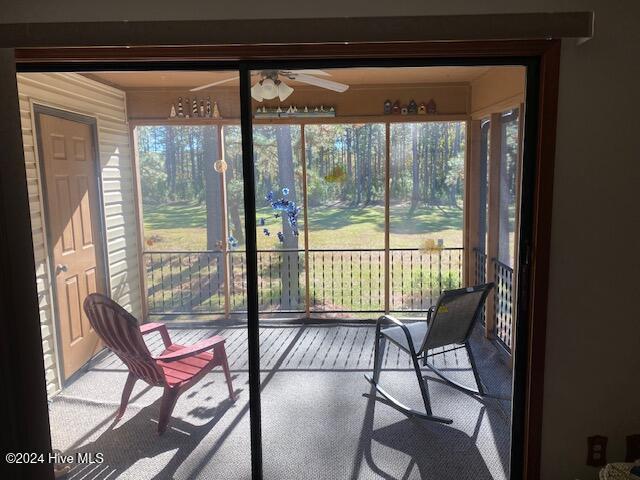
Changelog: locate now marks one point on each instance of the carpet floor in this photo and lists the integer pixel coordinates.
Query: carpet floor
(319, 418)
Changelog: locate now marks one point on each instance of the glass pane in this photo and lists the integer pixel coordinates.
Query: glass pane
(316, 406)
(508, 186)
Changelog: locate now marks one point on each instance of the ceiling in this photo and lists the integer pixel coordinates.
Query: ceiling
(350, 76)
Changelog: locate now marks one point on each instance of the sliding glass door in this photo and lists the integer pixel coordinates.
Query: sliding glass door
(138, 231)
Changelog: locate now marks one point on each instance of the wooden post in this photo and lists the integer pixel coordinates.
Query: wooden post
(387, 200)
(516, 236)
(472, 201)
(493, 231)
(222, 169)
(307, 286)
(137, 195)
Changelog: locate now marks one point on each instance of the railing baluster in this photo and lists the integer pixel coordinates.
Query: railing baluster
(342, 279)
(380, 270)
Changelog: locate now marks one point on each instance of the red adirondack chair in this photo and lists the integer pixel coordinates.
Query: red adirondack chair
(176, 369)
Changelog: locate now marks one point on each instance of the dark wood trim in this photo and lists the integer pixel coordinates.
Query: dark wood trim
(260, 52)
(538, 254)
(24, 399)
(307, 33)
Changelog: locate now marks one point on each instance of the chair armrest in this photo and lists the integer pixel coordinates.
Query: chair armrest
(430, 313)
(191, 350)
(389, 319)
(395, 321)
(157, 327)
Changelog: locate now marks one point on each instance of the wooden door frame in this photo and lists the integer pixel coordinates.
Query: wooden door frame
(539, 145)
(38, 109)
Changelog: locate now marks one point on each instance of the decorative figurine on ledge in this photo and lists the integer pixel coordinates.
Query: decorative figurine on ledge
(208, 108)
(431, 107)
(422, 109)
(387, 107)
(396, 108)
(172, 114)
(216, 111)
(194, 107)
(180, 111)
(404, 110)
(413, 107)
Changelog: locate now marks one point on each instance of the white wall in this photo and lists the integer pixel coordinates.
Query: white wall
(593, 350)
(75, 93)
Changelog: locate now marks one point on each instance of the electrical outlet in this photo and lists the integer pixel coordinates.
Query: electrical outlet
(597, 451)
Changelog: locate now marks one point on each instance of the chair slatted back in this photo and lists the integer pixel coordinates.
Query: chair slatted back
(119, 330)
(454, 316)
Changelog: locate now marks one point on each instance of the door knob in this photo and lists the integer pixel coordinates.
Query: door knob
(61, 268)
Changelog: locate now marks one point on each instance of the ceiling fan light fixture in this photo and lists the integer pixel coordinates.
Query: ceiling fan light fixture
(284, 91)
(256, 92)
(269, 89)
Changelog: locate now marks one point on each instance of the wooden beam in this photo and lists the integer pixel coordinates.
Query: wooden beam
(307, 276)
(270, 42)
(137, 197)
(472, 200)
(387, 217)
(226, 271)
(493, 229)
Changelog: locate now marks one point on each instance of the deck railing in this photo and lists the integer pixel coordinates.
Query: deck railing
(503, 302)
(481, 276)
(503, 296)
(340, 280)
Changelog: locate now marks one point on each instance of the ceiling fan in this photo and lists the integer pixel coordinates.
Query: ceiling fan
(270, 85)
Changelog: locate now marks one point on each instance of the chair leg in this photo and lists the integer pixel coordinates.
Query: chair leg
(126, 395)
(423, 388)
(378, 355)
(169, 398)
(225, 367)
(474, 368)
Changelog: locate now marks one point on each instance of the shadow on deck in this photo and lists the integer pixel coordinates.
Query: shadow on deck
(316, 421)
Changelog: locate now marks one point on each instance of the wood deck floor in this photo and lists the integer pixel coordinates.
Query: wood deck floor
(316, 422)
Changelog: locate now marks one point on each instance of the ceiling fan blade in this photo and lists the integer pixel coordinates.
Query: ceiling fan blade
(213, 84)
(321, 82)
(311, 71)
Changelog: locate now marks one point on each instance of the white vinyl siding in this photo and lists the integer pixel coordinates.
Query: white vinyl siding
(78, 94)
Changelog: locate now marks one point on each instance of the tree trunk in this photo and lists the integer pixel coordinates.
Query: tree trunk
(212, 189)
(233, 203)
(368, 165)
(289, 271)
(170, 161)
(415, 190)
(351, 176)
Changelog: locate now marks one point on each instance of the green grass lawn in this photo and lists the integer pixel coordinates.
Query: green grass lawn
(181, 226)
